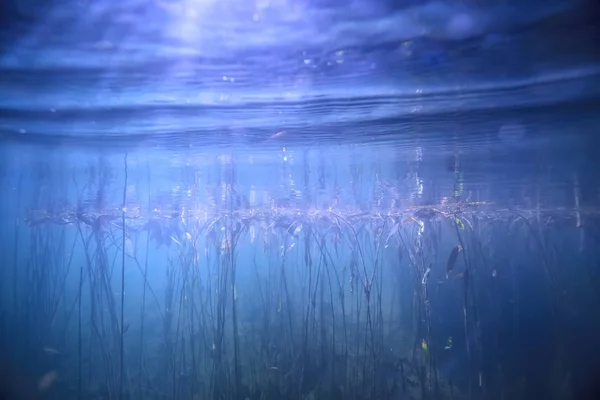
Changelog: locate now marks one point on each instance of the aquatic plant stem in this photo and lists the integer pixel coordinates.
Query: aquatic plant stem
(325, 252)
(79, 340)
(15, 285)
(122, 344)
(467, 281)
(236, 345)
(143, 317)
(143, 311)
(234, 311)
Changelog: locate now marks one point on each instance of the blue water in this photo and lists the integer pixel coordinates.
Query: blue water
(196, 120)
(235, 71)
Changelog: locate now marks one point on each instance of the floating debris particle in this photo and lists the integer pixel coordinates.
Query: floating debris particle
(460, 224)
(425, 276)
(297, 228)
(448, 343)
(47, 380)
(462, 275)
(51, 351)
(452, 260)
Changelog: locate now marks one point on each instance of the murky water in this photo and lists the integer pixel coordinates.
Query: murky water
(153, 152)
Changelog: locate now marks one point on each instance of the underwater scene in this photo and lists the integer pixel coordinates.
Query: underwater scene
(299, 199)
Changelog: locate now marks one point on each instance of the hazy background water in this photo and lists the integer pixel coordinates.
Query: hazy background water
(354, 105)
(509, 87)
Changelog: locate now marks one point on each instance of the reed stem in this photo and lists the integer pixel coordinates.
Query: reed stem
(122, 330)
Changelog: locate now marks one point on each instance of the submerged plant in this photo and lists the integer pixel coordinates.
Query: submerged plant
(279, 299)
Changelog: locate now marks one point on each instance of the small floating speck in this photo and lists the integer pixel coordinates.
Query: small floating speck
(511, 132)
(104, 45)
(22, 131)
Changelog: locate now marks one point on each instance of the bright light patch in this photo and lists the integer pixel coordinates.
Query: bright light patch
(186, 17)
